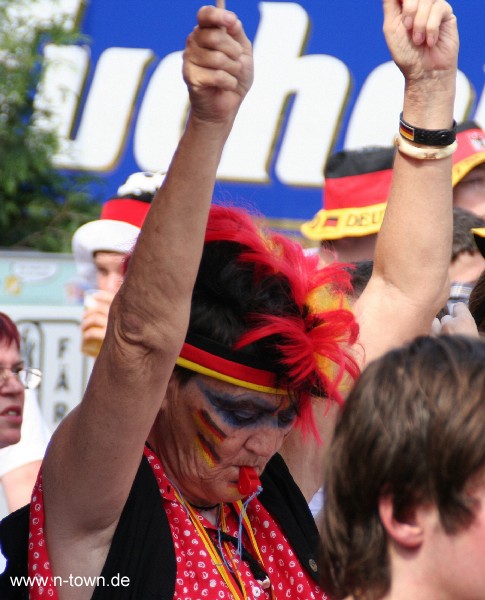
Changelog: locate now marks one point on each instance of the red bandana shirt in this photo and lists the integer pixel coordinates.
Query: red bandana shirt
(197, 576)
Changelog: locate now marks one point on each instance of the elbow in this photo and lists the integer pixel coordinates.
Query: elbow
(139, 325)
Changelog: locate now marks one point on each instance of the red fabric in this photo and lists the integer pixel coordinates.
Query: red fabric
(197, 578)
(357, 190)
(196, 575)
(470, 142)
(39, 566)
(228, 367)
(125, 209)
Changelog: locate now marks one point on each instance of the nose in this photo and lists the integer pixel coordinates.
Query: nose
(110, 282)
(265, 441)
(9, 380)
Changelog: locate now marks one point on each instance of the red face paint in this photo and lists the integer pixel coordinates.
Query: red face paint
(248, 481)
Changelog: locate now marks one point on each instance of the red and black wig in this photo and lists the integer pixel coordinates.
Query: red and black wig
(264, 315)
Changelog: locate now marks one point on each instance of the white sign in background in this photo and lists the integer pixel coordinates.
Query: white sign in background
(323, 82)
(51, 341)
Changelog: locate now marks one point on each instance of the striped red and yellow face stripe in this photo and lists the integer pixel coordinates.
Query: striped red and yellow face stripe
(209, 437)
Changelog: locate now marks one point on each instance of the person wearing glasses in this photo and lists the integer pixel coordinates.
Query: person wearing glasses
(23, 432)
(165, 481)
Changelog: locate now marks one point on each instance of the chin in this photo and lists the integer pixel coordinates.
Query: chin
(9, 438)
(232, 493)
(224, 493)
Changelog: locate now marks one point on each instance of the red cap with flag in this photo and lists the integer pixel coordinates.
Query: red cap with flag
(357, 184)
(470, 152)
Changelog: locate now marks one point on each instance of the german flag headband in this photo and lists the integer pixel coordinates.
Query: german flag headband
(207, 357)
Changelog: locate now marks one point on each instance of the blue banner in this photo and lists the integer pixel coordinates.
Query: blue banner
(324, 81)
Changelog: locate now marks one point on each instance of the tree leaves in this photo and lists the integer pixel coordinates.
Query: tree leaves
(40, 206)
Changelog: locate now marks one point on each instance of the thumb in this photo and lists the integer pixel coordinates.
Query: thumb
(435, 327)
(392, 8)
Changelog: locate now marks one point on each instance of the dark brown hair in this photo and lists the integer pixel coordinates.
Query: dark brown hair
(259, 295)
(463, 222)
(413, 427)
(476, 302)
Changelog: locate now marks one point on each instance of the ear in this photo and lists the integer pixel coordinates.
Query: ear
(407, 530)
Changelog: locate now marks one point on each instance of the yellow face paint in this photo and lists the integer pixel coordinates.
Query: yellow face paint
(208, 437)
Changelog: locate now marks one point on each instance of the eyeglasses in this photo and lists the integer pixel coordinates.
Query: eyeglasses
(29, 378)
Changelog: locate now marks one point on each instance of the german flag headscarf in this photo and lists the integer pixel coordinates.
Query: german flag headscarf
(312, 342)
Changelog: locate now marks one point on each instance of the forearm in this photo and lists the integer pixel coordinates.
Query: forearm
(409, 280)
(155, 290)
(413, 248)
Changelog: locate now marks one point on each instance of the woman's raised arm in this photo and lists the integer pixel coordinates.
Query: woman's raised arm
(95, 452)
(410, 278)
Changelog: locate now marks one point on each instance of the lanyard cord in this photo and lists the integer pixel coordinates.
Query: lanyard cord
(259, 574)
(217, 554)
(240, 509)
(224, 572)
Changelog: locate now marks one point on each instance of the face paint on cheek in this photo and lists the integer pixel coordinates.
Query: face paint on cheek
(207, 451)
(208, 437)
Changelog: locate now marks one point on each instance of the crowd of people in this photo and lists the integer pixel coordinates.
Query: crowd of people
(263, 421)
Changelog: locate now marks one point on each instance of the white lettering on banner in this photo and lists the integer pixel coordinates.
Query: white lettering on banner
(53, 344)
(319, 84)
(162, 116)
(383, 90)
(374, 118)
(480, 112)
(281, 72)
(108, 110)
(59, 94)
(323, 88)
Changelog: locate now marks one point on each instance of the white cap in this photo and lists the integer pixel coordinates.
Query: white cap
(118, 227)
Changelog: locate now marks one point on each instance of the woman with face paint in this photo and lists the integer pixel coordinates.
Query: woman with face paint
(218, 342)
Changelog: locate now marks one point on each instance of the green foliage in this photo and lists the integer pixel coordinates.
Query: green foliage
(40, 206)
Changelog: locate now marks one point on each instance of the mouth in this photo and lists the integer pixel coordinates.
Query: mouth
(248, 480)
(12, 414)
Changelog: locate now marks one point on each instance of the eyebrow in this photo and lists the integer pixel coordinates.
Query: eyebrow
(19, 363)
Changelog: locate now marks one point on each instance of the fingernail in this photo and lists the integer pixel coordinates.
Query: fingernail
(418, 38)
(229, 17)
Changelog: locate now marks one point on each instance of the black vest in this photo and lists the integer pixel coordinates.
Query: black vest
(142, 547)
